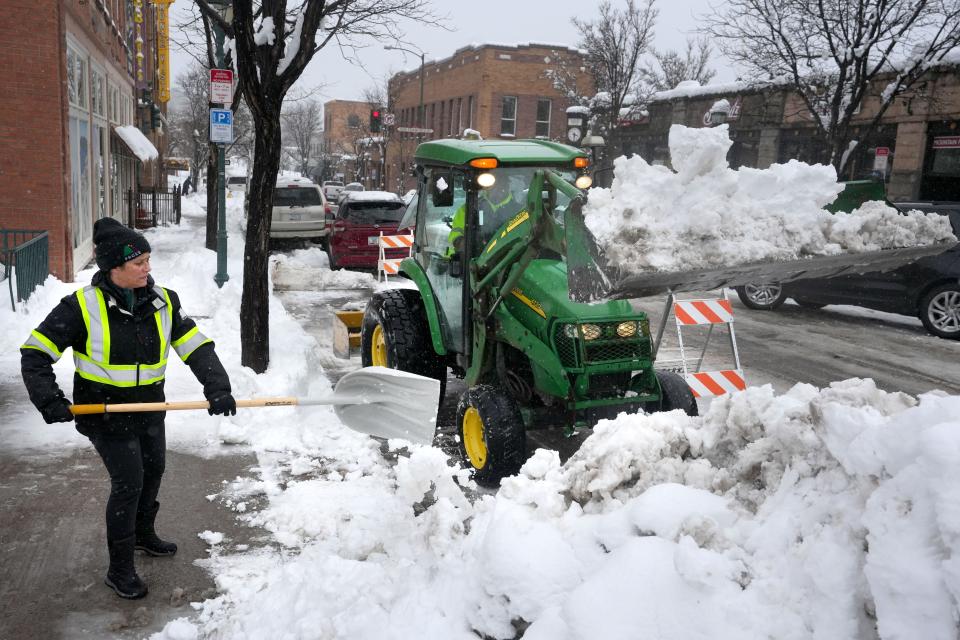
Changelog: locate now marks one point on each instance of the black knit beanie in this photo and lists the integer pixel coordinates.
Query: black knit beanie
(115, 244)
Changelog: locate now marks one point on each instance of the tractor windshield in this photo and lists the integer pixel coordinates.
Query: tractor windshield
(508, 196)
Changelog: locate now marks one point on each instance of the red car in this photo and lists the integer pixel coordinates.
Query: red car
(361, 218)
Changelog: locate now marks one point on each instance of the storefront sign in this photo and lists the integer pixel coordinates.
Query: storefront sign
(946, 142)
(163, 50)
(138, 39)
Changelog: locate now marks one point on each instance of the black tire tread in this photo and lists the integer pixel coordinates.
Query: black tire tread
(674, 394)
(504, 432)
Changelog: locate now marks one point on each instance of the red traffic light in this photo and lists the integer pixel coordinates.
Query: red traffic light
(376, 114)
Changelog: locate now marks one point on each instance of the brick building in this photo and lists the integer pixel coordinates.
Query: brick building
(75, 71)
(498, 90)
(916, 147)
(351, 152)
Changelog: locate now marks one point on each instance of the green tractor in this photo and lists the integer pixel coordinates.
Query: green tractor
(495, 223)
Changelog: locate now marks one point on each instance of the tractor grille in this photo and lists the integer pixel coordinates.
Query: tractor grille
(607, 348)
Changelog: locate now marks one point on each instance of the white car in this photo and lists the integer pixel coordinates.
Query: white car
(299, 210)
(236, 183)
(332, 189)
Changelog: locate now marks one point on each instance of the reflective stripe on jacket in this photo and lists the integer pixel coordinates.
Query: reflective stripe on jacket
(94, 364)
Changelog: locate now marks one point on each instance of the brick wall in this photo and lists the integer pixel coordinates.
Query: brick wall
(33, 172)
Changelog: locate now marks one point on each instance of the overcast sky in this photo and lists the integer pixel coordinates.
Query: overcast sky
(489, 21)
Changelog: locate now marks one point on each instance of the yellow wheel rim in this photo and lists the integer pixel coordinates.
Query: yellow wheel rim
(378, 348)
(473, 440)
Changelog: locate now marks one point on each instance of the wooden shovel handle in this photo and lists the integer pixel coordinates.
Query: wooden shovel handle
(138, 407)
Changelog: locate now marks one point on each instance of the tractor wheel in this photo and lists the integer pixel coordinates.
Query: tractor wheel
(761, 297)
(395, 334)
(674, 394)
(493, 441)
(940, 311)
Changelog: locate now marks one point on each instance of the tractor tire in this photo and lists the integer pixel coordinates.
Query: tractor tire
(761, 297)
(674, 394)
(809, 304)
(940, 311)
(493, 440)
(395, 334)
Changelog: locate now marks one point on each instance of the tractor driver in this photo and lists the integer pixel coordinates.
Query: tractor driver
(497, 205)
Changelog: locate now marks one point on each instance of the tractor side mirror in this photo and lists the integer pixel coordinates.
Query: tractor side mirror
(441, 189)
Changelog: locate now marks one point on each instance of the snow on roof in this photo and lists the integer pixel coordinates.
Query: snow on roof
(138, 143)
(578, 110)
(368, 196)
(692, 88)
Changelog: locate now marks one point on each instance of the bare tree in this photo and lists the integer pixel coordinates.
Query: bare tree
(272, 43)
(833, 54)
(302, 122)
(615, 42)
(672, 67)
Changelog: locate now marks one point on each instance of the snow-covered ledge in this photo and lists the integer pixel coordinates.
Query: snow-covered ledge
(138, 143)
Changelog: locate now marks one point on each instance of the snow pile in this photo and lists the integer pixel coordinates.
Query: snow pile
(705, 214)
(815, 514)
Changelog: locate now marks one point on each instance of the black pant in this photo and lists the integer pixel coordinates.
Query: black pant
(135, 464)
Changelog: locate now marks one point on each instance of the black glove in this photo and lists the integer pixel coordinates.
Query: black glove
(222, 405)
(57, 410)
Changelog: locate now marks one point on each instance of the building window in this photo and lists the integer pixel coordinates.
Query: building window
(353, 121)
(77, 77)
(98, 90)
(459, 116)
(508, 117)
(470, 111)
(543, 118)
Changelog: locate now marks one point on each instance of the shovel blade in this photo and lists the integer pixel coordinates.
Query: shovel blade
(388, 403)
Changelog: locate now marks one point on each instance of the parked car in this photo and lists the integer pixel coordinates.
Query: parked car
(237, 183)
(299, 210)
(928, 288)
(332, 189)
(361, 218)
(352, 187)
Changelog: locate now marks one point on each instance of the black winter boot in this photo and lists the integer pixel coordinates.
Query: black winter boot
(122, 575)
(147, 538)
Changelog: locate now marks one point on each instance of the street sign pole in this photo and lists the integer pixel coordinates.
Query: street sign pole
(221, 276)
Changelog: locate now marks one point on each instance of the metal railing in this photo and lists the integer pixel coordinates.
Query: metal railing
(150, 207)
(24, 261)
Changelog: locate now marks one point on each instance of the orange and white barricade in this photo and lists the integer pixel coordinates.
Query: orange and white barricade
(709, 312)
(387, 267)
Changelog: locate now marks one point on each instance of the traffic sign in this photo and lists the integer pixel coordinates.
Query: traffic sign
(221, 86)
(413, 130)
(389, 119)
(221, 125)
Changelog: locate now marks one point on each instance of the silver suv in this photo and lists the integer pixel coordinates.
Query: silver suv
(299, 210)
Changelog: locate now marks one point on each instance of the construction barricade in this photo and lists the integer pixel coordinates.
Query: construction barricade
(387, 267)
(710, 313)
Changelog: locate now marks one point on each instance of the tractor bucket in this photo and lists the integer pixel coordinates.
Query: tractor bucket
(592, 279)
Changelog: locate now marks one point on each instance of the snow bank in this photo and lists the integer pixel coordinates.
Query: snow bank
(705, 214)
(828, 513)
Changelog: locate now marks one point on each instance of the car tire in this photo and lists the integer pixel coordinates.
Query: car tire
(395, 334)
(675, 393)
(940, 311)
(492, 437)
(809, 304)
(762, 297)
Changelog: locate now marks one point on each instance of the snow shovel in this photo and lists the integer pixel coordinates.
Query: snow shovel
(378, 401)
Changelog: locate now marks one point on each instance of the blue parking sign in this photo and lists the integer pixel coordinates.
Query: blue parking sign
(221, 126)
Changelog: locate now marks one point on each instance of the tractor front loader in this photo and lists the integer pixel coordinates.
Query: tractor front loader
(513, 295)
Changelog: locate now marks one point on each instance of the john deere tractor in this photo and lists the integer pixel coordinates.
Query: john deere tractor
(494, 222)
(513, 295)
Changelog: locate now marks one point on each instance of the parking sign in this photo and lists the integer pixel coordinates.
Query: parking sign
(221, 126)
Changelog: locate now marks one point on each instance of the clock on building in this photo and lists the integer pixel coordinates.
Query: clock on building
(573, 135)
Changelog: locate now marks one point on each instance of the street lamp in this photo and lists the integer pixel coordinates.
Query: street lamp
(389, 47)
(225, 9)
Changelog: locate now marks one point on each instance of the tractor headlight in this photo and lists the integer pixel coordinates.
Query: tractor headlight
(570, 331)
(591, 331)
(627, 329)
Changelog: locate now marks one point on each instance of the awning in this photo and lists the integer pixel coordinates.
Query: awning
(138, 143)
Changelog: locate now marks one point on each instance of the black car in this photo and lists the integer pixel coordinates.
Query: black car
(928, 288)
